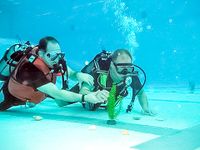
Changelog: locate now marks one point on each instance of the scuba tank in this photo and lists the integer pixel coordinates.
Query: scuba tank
(11, 58)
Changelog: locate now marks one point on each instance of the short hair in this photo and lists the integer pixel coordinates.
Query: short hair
(117, 52)
(43, 42)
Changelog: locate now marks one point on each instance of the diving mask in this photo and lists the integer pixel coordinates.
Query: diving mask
(124, 68)
(53, 55)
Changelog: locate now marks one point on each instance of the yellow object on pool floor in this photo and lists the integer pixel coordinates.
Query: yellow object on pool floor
(125, 132)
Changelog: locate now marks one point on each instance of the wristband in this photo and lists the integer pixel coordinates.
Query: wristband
(83, 100)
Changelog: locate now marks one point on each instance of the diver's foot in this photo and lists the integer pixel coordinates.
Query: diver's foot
(149, 113)
(5, 105)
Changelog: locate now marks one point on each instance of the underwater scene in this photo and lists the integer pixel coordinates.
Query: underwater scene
(99, 74)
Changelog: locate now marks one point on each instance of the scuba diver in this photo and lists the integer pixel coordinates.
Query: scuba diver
(30, 76)
(114, 68)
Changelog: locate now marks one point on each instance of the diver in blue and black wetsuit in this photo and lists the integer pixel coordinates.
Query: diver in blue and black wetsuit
(114, 68)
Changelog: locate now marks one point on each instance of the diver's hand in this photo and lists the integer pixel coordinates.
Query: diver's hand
(96, 97)
(149, 112)
(102, 95)
(84, 77)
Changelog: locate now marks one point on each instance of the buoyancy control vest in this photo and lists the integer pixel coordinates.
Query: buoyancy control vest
(22, 90)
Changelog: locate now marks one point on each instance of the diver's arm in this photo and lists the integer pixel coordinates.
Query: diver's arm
(53, 91)
(71, 73)
(85, 88)
(57, 94)
(142, 97)
(80, 76)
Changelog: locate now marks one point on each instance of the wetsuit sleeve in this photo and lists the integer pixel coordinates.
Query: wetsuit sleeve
(136, 84)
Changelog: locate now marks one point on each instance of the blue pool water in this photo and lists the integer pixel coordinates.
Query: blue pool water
(163, 36)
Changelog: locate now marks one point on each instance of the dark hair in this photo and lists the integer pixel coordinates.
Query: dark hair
(116, 53)
(43, 42)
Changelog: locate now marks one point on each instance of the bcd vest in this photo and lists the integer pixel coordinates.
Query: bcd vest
(21, 90)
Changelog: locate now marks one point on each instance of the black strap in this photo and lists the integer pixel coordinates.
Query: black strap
(130, 106)
(134, 93)
(2, 77)
(83, 100)
(64, 68)
(5, 55)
